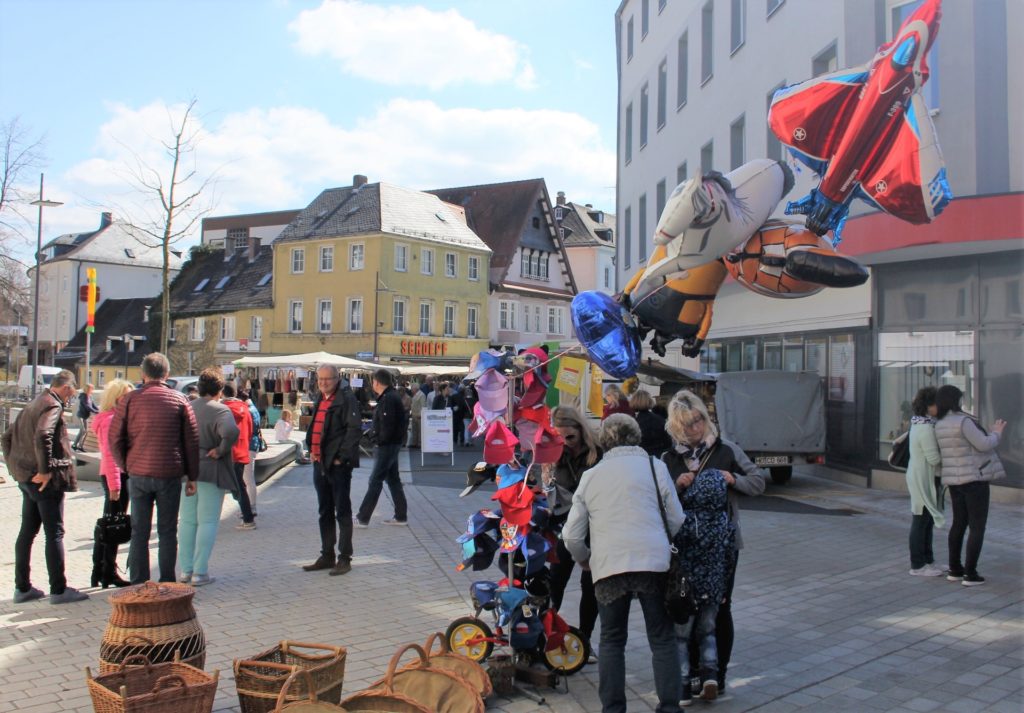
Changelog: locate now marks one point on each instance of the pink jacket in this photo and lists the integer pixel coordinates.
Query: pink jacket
(100, 424)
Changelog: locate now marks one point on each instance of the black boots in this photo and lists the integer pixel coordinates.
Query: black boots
(104, 567)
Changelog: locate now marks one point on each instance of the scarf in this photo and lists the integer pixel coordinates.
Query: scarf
(922, 420)
(694, 454)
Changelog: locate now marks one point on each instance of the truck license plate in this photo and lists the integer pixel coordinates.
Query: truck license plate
(772, 460)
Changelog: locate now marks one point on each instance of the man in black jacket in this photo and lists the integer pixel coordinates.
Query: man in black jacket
(333, 443)
(389, 427)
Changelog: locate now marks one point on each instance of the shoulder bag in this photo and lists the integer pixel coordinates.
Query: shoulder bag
(114, 528)
(899, 457)
(679, 599)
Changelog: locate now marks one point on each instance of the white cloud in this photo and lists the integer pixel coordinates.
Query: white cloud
(281, 157)
(398, 45)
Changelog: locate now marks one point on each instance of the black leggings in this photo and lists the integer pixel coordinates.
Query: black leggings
(970, 510)
(724, 632)
(560, 574)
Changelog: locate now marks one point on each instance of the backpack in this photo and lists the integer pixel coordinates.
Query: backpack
(899, 457)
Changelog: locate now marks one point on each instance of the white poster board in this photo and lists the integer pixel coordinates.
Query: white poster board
(436, 432)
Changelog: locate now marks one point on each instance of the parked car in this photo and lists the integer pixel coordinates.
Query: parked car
(179, 383)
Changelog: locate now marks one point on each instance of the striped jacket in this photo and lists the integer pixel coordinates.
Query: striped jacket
(154, 433)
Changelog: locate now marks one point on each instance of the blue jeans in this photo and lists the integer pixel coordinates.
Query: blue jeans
(40, 509)
(197, 529)
(701, 629)
(664, 653)
(145, 492)
(333, 488)
(385, 469)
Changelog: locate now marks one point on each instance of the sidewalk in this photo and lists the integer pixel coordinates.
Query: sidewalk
(826, 616)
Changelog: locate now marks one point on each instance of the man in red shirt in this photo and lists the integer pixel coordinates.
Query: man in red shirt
(333, 443)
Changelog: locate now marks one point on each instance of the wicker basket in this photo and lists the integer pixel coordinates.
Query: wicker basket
(185, 641)
(436, 689)
(260, 679)
(141, 687)
(463, 666)
(308, 703)
(152, 604)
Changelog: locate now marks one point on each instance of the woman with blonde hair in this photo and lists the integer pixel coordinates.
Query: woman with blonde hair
(561, 480)
(704, 461)
(115, 485)
(615, 402)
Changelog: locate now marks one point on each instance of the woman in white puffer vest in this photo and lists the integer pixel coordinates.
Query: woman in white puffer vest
(969, 464)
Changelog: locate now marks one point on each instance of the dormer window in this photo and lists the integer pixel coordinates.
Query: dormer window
(128, 252)
(201, 285)
(223, 281)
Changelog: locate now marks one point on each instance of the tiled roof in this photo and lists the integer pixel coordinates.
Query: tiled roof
(335, 212)
(237, 278)
(583, 231)
(115, 244)
(424, 216)
(114, 318)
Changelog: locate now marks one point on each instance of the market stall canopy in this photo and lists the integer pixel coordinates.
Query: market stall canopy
(310, 360)
(427, 370)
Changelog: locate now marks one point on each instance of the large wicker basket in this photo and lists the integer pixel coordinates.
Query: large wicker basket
(260, 679)
(141, 687)
(152, 604)
(463, 666)
(432, 688)
(309, 703)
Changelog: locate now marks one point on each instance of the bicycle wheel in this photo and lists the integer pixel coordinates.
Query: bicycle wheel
(571, 656)
(466, 636)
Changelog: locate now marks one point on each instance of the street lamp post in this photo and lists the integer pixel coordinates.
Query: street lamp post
(42, 203)
(377, 289)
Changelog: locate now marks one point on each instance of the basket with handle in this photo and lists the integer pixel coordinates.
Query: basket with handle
(138, 686)
(159, 644)
(308, 702)
(435, 688)
(152, 604)
(463, 666)
(259, 679)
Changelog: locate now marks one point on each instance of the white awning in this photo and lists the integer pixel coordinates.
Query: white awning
(428, 370)
(310, 360)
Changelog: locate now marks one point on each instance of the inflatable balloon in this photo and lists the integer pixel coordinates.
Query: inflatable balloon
(867, 132)
(608, 331)
(784, 259)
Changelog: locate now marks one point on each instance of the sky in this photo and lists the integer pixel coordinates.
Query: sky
(295, 96)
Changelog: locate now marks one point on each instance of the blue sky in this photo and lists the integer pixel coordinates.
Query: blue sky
(297, 95)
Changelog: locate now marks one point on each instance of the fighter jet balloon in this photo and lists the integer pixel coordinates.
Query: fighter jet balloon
(867, 132)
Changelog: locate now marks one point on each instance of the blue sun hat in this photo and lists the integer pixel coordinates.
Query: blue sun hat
(509, 475)
(479, 523)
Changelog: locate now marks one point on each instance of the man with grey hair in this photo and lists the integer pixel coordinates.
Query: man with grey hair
(155, 440)
(38, 453)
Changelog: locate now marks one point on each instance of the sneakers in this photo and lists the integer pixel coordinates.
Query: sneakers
(972, 580)
(929, 570)
(321, 563)
(69, 595)
(32, 594)
(199, 580)
(343, 567)
(185, 578)
(246, 526)
(953, 575)
(396, 521)
(709, 690)
(360, 524)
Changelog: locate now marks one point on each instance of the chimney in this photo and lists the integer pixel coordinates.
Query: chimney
(358, 180)
(560, 199)
(254, 249)
(106, 219)
(589, 206)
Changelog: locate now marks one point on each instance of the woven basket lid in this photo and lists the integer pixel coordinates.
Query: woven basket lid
(151, 593)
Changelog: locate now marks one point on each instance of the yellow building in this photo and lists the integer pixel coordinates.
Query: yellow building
(380, 271)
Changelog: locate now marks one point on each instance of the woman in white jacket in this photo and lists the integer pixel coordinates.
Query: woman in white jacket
(923, 484)
(616, 507)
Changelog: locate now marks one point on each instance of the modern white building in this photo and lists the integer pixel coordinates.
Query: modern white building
(944, 302)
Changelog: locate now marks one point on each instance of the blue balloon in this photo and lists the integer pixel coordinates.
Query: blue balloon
(608, 332)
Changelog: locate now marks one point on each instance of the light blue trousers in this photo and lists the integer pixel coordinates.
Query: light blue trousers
(197, 527)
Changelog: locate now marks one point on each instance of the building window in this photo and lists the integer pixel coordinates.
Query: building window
(707, 22)
(356, 256)
(298, 261)
(506, 315)
(172, 335)
(256, 329)
(524, 262)
(738, 25)
(295, 316)
(773, 146)
(238, 239)
(398, 316)
(471, 321)
(401, 258)
(645, 25)
(682, 68)
(555, 324)
(544, 266)
(681, 172)
(326, 258)
(227, 328)
(449, 319)
(607, 277)
(473, 267)
(629, 133)
(324, 309)
(451, 265)
(355, 314)
(643, 116)
(198, 331)
(526, 318)
(737, 142)
(707, 157)
(662, 91)
(426, 312)
(659, 199)
(627, 237)
(536, 222)
(427, 261)
(774, 5)
(101, 380)
(825, 62)
(629, 39)
(641, 231)
(536, 318)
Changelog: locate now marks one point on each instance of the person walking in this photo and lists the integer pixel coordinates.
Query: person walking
(115, 485)
(249, 472)
(616, 507)
(240, 456)
(389, 427)
(419, 402)
(923, 484)
(697, 445)
(969, 464)
(200, 513)
(153, 438)
(86, 409)
(561, 480)
(333, 443)
(37, 452)
(655, 438)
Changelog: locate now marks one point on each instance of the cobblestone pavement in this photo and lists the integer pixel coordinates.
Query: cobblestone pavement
(827, 618)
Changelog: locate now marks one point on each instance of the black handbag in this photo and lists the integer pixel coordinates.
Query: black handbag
(113, 528)
(679, 599)
(263, 444)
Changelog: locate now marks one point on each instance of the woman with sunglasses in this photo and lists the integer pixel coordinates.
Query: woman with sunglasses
(697, 446)
(561, 480)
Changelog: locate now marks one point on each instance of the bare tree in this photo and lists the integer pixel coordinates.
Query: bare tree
(178, 196)
(21, 155)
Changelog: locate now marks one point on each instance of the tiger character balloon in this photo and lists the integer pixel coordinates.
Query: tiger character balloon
(786, 260)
